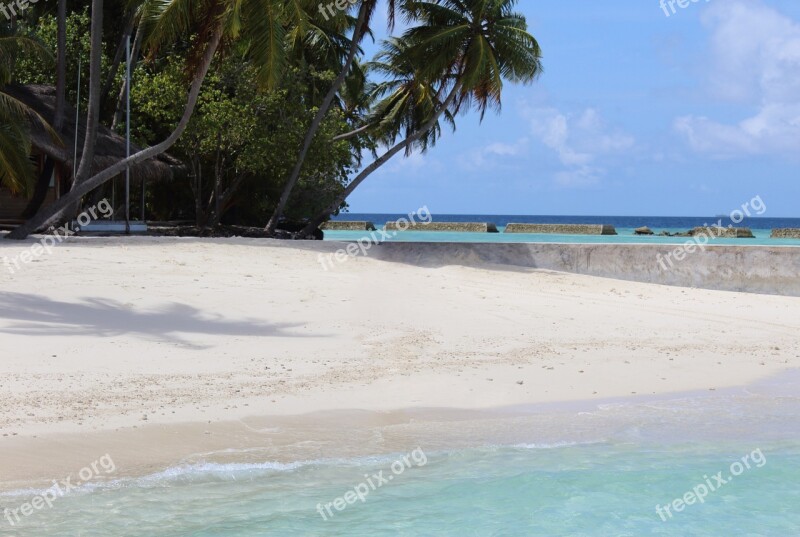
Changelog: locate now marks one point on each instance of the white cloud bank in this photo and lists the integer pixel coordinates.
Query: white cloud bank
(756, 62)
(579, 140)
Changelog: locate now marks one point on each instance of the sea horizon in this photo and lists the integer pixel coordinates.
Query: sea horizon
(620, 221)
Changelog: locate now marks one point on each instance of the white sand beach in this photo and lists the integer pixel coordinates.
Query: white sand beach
(118, 337)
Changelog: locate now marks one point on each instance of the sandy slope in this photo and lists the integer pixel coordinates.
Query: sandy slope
(112, 333)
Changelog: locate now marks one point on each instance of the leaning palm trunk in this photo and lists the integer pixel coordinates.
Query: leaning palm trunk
(46, 217)
(93, 112)
(358, 33)
(383, 159)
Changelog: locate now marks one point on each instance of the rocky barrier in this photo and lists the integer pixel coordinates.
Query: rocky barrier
(785, 233)
(334, 225)
(456, 227)
(562, 229)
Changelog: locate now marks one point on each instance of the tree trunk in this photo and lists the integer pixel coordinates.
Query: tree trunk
(135, 49)
(217, 178)
(112, 72)
(353, 133)
(358, 33)
(383, 159)
(93, 113)
(42, 186)
(61, 67)
(197, 190)
(52, 212)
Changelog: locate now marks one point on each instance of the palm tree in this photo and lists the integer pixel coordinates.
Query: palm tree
(464, 49)
(16, 169)
(93, 113)
(360, 30)
(405, 99)
(257, 23)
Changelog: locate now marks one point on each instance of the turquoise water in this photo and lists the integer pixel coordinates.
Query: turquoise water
(625, 225)
(625, 236)
(578, 470)
(601, 490)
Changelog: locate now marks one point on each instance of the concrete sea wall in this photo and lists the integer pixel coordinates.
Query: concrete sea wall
(340, 225)
(755, 269)
(786, 233)
(463, 227)
(725, 232)
(562, 229)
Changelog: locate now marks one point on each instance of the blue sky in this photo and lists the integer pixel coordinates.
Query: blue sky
(636, 113)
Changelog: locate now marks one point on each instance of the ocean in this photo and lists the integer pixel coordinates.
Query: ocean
(725, 465)
(625, 226)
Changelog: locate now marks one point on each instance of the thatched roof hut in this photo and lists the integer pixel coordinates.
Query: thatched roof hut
(110, 147)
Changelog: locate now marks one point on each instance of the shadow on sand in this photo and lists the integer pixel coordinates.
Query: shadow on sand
(39, 316)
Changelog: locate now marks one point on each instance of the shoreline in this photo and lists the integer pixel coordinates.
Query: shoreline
(140, 451)
(113, 337)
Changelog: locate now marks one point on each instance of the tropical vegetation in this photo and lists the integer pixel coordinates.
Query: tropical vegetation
(272, 110)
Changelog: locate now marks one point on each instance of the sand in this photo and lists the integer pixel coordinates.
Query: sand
(158, 348)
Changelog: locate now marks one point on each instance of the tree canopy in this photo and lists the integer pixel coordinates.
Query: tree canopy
(283, 109)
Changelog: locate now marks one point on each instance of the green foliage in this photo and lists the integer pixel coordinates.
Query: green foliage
(238, 141)
(473, 43)
(32, 70)
(16, 170)
(277, 61)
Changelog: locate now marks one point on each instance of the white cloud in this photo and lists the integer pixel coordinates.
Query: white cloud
(493, 155)
(402, 164)
(755, 61)
(579, 140)
(506, 150)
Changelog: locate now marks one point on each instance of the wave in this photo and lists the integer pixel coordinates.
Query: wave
(557, 445)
